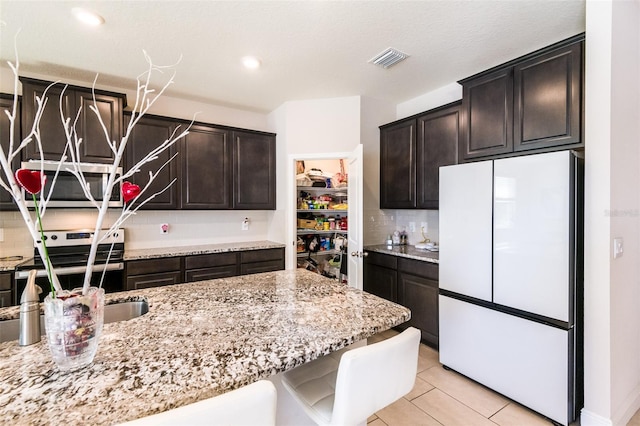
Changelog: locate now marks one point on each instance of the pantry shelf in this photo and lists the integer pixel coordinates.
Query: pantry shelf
(301, 231)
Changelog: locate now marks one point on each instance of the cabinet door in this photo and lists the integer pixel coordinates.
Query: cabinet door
(254, 171)
(547, 100)
(6, 103)
(487, 103)
(94, 148)
(420, 294)
(54, 140)
(398, 166)
(437, 145)
(381, 281)
(145, 136)
(206, 157)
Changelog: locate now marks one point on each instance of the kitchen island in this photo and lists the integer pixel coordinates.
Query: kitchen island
(198, 340)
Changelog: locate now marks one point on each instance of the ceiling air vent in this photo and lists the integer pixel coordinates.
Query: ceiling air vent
(388, 58)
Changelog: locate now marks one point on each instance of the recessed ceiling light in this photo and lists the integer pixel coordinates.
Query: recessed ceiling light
(87, 17)
(251, 62)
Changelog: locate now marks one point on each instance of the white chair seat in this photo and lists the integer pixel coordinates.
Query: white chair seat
(363, 381)
(254, 404)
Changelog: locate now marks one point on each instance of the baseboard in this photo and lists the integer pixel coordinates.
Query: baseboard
(628, 408)
(587, 418)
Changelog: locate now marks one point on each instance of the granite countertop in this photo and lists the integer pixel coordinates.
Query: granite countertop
(10, 265)
(198, 340)
(152, 253)
(410, 252)
(159, 252)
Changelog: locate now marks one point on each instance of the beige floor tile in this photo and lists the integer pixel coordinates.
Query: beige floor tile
(419, 388)
(371, 418)
(449, 411)
(377, 422)
(403, 412)
(427, 358)
(473, 395)
(517, 415)
(635, 420)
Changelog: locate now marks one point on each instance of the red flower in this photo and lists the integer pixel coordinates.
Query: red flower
(31, 180)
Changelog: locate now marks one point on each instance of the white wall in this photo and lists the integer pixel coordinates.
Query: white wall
(612, 321)
(446, 94)
(308, 128)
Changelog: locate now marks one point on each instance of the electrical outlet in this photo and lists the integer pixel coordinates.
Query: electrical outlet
(412, 227)
(164, 228)
(618, 247)
(1, 235)
(245, 224)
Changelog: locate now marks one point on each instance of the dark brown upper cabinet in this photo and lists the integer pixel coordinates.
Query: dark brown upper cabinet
(147, 134)
(398, 165)
(6, 103)
(254, 171)
(94, 148)
(411, 153)
(216, 167)
(438, 140)
(206, 168)
(531, 103)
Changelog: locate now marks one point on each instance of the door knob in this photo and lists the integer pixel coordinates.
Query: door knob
(359, 254)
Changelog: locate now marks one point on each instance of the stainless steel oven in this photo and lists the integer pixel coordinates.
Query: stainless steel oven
(68, 252)
(68, 192)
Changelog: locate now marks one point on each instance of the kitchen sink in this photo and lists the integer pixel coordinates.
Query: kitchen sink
(10, 329)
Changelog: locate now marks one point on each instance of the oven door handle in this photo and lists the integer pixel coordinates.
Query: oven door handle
(70, 270)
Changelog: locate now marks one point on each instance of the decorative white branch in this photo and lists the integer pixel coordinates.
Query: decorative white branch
(145, 99)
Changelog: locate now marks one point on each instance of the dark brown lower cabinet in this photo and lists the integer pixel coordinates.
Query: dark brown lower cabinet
(256, 261)
(210, 266)
(147, 273)
(418, 291)
(380, 276)
(411, 283)
(6, 297)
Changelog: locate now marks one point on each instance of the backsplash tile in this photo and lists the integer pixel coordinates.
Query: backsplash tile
(378, 224)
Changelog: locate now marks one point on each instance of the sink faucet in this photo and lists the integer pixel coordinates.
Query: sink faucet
(30, 312)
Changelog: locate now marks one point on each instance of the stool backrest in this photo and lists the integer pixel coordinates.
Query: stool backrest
(374, 376)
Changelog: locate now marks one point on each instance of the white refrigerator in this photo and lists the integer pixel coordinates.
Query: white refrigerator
(510, 303)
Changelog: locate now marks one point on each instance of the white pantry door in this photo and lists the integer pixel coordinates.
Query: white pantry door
(355, 218)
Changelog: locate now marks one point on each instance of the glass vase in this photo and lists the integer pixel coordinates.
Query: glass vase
(73, 322)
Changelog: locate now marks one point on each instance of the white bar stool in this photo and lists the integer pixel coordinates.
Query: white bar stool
(254, 404)
(365, 380)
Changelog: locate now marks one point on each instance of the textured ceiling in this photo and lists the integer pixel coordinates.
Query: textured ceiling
(309, 49)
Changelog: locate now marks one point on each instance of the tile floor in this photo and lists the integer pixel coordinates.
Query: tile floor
(442, 397)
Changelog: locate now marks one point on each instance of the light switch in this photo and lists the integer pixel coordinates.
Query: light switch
(618, 247)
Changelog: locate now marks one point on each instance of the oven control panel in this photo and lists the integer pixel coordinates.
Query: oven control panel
(81, 237)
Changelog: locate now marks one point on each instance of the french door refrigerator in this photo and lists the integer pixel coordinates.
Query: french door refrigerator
(510, 278)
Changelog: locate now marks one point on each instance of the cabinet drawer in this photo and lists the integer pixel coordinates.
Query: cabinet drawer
(384, 260)
(153, 280)
(210, 273)
(5, 298)
(5, 281)
(418, 267)
(257, 267)
(210, 260)
(262, 255)
(150, 266)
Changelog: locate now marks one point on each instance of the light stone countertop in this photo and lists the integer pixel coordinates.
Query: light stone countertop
(198, 340)
(152, 253)
(410, 252)
(10, 265)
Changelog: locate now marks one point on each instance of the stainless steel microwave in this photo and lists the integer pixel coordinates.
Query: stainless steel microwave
(67, 191)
